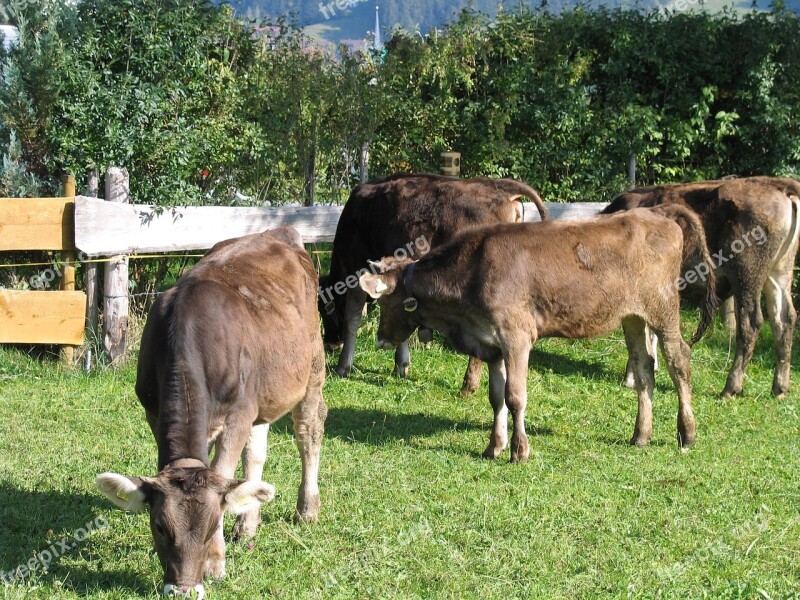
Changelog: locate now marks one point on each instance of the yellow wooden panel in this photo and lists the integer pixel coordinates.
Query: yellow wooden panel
(42, 317)
(37, 223)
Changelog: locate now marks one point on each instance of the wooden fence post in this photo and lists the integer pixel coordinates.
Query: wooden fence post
(115, 279)
(364, 162)
(632, 169)
(451, 164)
(90, 268)
(68, 265)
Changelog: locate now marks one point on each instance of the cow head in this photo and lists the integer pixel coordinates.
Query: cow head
(186, 505)
(398, 320)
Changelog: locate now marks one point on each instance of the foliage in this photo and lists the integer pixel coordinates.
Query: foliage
(200, 109)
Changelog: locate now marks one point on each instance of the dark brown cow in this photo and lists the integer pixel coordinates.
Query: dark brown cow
(492, 292)
(231, 348)
(405, 215)
(752, 229)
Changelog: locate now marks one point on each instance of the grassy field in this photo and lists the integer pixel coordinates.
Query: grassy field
(410, 510)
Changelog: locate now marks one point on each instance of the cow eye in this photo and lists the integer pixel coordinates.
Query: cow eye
(160, 530)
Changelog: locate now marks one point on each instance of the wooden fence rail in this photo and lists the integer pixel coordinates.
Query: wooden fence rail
(109, 229)
(114, 228)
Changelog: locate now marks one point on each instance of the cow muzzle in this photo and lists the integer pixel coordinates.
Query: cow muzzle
(185, 591)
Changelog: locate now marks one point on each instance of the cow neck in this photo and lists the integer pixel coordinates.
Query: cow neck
(186, 463)
(182, 427)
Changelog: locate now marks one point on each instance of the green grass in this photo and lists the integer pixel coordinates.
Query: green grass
(410, 509)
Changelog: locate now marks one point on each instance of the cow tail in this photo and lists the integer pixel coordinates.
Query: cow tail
(791, 239)
(711, 300)
(519, 189)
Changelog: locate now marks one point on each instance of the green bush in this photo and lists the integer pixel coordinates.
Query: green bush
(202, 109)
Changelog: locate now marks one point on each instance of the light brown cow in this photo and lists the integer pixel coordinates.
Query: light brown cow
(492, 292)
(231, 348)
(753, 227)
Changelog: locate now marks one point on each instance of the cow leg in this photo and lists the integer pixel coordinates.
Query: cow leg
(253, 458)
(229, 447)
(497, 397)
(677, 354)
(516, 362)
(402, 359)
(354, 306)
(782, 317)
(652, 350)
(308, 417)
(748, 325)
(640, 362)
(472, 377)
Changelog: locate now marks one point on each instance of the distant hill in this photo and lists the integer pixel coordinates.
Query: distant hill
(324, 20)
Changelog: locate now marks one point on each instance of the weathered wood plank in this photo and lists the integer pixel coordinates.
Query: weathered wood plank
(564, 211)
(106, 229)
(28, 317)
(115, 279)
(37, 224)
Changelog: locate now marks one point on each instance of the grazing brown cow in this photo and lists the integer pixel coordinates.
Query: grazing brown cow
(231, 348)
(752, 229)
(405, 215)
(492, 292)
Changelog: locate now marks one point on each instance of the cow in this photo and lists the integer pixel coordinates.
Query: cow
(230, 349)
(752, 229)
(406, 215)
(493, 291)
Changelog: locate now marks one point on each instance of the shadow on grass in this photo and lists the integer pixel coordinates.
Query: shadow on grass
(379, 427)
(35, 522)
(544, 359)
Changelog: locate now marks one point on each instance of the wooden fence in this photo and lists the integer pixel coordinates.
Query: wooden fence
(43, 317)
(116, 230)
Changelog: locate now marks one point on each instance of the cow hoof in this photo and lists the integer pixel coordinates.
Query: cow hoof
(307, 508)
(306, 518)
(343, 372)
(685, 442)
(492, 453)
(780, 391)
(245, 528)
(519, 457)
(400, 371)
(640, 441)
(467, 390)
(729, 391)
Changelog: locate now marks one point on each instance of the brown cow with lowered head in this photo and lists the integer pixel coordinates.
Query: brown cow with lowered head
(406, 215)
(752, 226)
(492, 292)
(231, 348)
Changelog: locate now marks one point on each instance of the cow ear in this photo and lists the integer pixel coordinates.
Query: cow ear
(244, 496)
(128, 493)
(377, 285)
